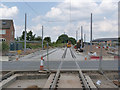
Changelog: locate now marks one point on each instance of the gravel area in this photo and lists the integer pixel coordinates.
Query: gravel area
(104, 83)
(98, 50)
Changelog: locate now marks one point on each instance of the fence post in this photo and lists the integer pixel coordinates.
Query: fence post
(47, 56)
(100, 60)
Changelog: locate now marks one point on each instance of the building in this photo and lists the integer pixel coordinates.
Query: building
(7, 30)
(107, 41)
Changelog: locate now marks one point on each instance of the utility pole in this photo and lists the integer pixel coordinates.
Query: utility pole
(76, 36)
(84, 37)
(81, 36)
(100, 60)
(91, 34)
(42, 37)
(25, 33)
(85, 43)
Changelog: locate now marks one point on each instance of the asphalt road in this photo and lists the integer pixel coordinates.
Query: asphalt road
(54, 59)
(35, 65)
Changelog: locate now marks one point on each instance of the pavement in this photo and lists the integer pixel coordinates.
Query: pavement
(36, 55)
(32, 62)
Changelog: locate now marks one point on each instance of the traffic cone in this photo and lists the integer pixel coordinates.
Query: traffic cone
(41, 65)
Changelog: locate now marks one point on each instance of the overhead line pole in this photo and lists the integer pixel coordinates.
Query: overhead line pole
(85, 43)
(47, 56)
(84, 40)
(84, 37)
(42, 37)
(81, 36)
(76, 36)
(91, 34)
(25, 33)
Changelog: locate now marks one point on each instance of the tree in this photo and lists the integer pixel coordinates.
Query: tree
(48, 39)
(22, 36)
(38, 38)
(62, 39)
(5, 46)
(73, 41)
(30, 36)
(17, 39)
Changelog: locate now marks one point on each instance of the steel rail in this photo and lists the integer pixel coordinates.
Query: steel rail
(82, 77)
(55, 80)
(64, 54)
(73, 56)
(54, 83)
(86, 86)
(53, 86)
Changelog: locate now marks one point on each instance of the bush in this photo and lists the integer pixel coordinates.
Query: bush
(4, 46)
(33, 45)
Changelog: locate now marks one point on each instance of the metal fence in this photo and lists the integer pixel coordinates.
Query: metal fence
(105, 51)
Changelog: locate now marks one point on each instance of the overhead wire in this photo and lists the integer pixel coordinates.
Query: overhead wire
(36, 13)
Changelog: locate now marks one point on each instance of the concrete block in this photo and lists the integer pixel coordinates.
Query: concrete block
(4, 58)
(8, 81)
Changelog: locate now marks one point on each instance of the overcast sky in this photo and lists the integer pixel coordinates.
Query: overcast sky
(66, 16)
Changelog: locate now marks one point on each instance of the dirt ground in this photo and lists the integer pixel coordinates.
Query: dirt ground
(105, 83)
(4, 72)
(69, 80)
(105, 52)
(26, 83)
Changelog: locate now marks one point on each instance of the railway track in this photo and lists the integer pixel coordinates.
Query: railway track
(64, 54)
(71, 79)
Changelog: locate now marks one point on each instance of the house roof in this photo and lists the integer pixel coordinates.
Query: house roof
(5, 24)
(105, 39)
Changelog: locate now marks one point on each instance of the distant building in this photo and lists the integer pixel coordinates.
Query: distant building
(106, 40)
(7, 30)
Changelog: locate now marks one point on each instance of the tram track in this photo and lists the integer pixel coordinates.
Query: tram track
(64, 54)
(69, 79)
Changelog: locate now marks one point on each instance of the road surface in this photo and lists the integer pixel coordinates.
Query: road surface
(32, 62)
